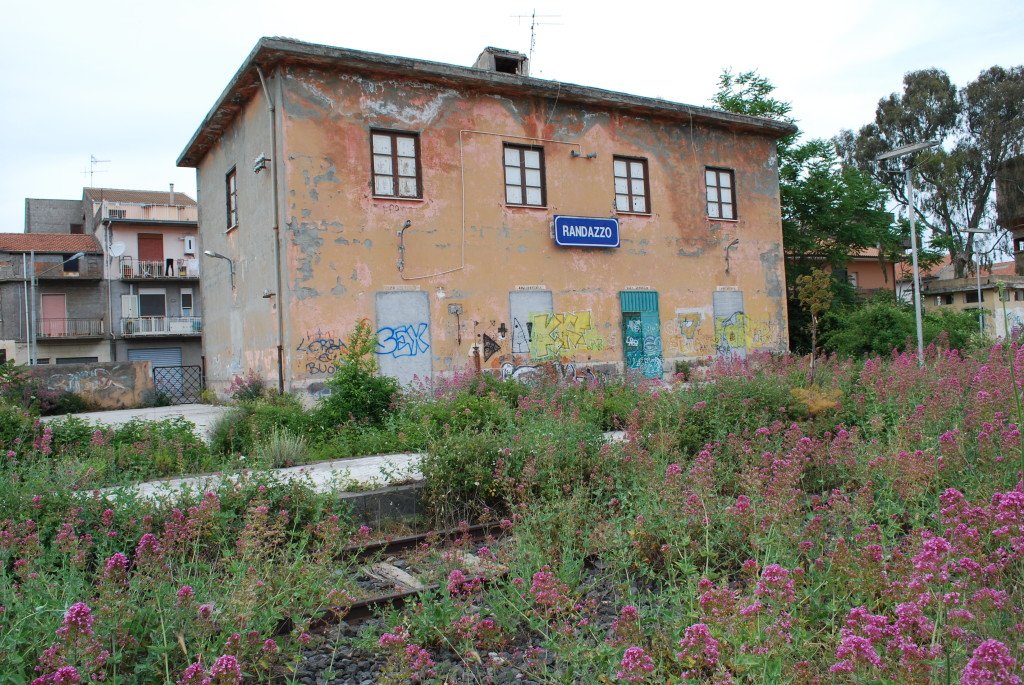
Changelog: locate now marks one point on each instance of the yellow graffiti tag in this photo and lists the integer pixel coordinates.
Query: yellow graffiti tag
(560, 335)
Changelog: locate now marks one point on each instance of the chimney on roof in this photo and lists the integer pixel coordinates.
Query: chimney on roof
(503, 62)
(172, 194)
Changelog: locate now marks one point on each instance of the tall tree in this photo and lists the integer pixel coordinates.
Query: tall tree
(830, 211)
(980, 126)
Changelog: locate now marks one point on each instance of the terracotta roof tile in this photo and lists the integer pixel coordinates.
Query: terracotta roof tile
(139, 197)
(63, 243)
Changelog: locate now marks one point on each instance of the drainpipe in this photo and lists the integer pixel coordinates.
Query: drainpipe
(28, 314)
(277, 230)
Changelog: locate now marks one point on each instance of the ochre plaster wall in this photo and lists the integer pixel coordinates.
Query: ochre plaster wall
(465, 246)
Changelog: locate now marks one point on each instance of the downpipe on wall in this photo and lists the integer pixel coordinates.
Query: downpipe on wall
(277, 230)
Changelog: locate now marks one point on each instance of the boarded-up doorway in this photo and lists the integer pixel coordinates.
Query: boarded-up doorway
(730, 324)
(403, 335)
(522, 305)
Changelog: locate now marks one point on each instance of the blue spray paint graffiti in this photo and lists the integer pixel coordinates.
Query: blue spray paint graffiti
(407, 340)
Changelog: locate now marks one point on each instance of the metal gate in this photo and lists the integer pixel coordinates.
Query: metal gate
(183, 384)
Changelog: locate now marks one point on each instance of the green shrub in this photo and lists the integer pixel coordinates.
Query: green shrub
(232, 432)
(357, 394)
(15, 424)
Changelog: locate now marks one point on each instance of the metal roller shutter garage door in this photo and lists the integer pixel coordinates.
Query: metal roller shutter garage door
(158, 356)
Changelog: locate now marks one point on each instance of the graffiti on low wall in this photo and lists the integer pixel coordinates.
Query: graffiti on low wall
(553, 336)
(116, 385)
(737, 333)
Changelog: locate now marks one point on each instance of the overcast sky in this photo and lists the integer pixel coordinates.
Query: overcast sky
(129, 82)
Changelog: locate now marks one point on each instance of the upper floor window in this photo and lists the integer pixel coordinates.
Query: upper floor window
(721, 193)
(631, 187)
(231, 197)
(117, 213)
(396, 164)
(971, 297)
(1018, 244)
(70, 265)
(524, 175)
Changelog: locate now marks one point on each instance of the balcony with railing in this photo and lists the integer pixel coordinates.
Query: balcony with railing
(132, 269)
(142, 212)
(69, 329)
(143, 326)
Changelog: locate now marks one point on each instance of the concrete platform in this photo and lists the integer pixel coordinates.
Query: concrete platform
(202, 415)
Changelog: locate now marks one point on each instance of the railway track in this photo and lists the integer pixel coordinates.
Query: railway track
(406, 586)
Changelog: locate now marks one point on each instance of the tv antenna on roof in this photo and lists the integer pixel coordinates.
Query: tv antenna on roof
(92, 168)
(533, 17)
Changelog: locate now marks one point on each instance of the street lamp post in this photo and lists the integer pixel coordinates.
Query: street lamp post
(33, 344)
(231, 264)
(902, 152)
(977, 273)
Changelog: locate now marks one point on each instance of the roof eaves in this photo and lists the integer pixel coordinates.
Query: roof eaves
(268, 52)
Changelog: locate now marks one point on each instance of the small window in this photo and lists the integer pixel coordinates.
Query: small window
(70, 265)
(77, 229)
(524, 175)
(1018, 244)
(971, 297)
(946, 299)
(631, 187)
(231, 197)
(396, 164)
(1018, 295)
(851, 278)
(721, 195)
(186, 302)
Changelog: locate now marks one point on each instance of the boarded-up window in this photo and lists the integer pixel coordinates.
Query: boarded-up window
(524, 175)
(721, 193)
(396, 164)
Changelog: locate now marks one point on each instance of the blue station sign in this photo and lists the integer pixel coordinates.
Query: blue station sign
(584, 231)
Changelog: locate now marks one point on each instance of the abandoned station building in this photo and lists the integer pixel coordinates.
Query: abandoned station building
(476, 216)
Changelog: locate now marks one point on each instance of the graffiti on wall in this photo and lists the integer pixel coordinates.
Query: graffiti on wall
(405, 340)
(521, 336)
(110, 385)
(320, 352)
(685, 335)
(491, 347)
(643, 346)
(526, 371)
(553, 336)
(736, 333)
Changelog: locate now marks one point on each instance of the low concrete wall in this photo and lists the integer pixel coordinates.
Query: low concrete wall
(116, 385)
(393, 503)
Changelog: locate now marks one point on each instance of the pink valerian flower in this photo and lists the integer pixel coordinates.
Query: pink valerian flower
(195, 674)
(185, 594)
(742, 505)
(148, 547)
(65, 675)
(205, 612)
(635, 665)
(776, 584)
(854, 649)
(672, 470)
(97, 439)
(226, 671)
(391, 640)
(699, 651)
(270, 646)
(116, 567)
(78, 620)
(461, 585)
(547, 590)
(990, 664)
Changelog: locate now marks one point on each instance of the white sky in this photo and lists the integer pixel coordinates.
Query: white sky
(129, 81)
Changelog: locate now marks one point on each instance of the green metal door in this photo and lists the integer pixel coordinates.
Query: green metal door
(641, 332)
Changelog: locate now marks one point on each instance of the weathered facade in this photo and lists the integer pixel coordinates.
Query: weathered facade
(422, 197)
(64, 311)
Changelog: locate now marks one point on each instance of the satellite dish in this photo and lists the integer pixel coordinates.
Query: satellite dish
(117, 249)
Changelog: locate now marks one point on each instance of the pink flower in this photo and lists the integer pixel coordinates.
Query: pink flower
(635, 665)
(116, 566)
(195, 674)
(269, 646)
(700, 651)
(148, 547)
(226, 671)
(185, 594)
(78, 620)
(673, 470)
(991, 664)
(205, 612)
(459, 584)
